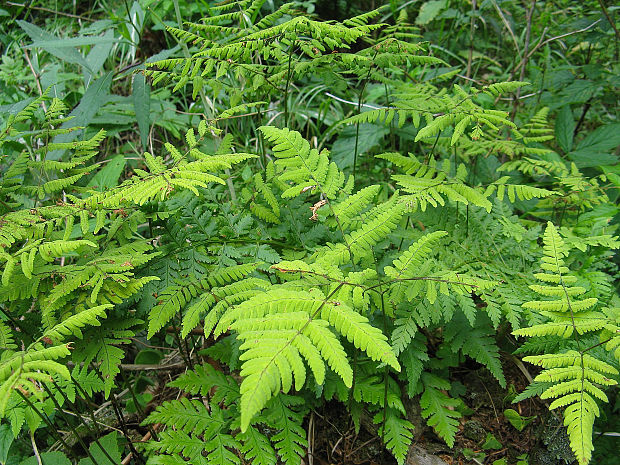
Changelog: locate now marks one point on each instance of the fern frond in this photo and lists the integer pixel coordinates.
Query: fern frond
(397, 433)
(438, 408)
(572, 376)
(291, 325)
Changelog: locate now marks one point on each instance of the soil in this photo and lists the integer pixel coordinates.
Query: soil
(337, 443)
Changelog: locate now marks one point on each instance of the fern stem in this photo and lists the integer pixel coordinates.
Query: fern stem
(121, 419)
(137, 404)
(35, 449)
(359, 110)
(52, 428)
(203, 97)
(288, 82)
(73, 429)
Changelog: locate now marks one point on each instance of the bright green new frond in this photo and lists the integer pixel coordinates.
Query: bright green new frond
(515, 191)
(571, 377)
(500, 88)
(280, 327)
(357, 330)
(361, 241)
(20, 370)
(6, 337)
(346, 210)
(72, 325)
(307, 169)
(409, 263)
(428, 185)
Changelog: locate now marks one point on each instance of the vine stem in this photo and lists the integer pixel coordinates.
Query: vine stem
(359, 110)
(523, 63)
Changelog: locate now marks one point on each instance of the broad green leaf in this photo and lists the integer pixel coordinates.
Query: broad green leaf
(107, 177)
(587, 158)
(68, 54)
(564, 128)
(74, 41)
(343, 149)
(15, 108)
(49, 458)
(98, 55)
(141, 95)
(602, 139)
(429, 11)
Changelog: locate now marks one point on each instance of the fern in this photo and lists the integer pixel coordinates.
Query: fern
(396, 433)
(575, 375)
(291, 326)
(438, 408)
(427, 184)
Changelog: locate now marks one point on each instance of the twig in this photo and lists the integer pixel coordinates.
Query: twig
(507, 24)
(523, 63)
(49, 10)
(150, 367)
(613, 25)
(551, 39)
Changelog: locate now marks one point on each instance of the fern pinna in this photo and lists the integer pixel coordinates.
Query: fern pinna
(573, 374)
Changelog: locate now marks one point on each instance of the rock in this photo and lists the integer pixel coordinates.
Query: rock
(474, 430)
(419, 456)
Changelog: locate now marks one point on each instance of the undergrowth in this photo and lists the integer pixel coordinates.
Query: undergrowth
(342, 211)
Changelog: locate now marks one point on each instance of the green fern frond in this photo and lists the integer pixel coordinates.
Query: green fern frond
(205, 380)
(397, 433)
(428, 185)
(572, 377)
(21, 371)
(72, 325)
(292, 325)
(438, 408)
